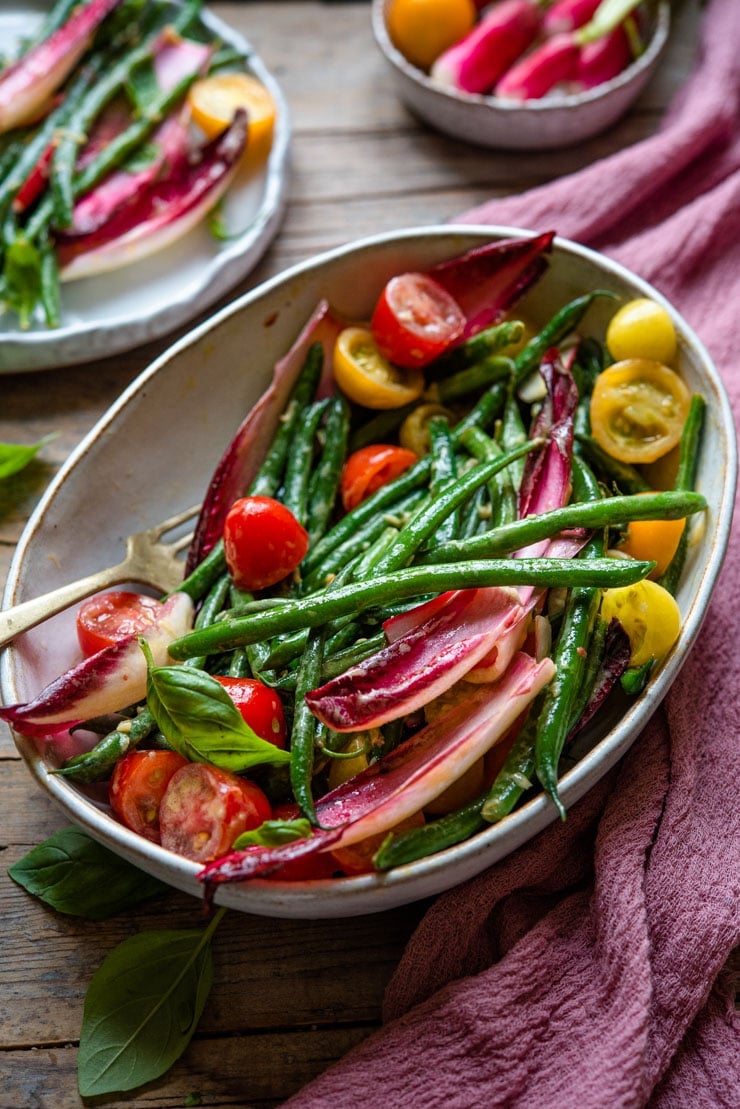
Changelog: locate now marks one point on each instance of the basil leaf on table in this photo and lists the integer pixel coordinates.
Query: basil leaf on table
(78, 876)
(14, 458)
(142, 1008)
(200, 721)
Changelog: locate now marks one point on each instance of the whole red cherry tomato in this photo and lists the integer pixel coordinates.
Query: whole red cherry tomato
(137, 787)
(263, 542)
(370, 468)
(205, 808)
(110, 617)
(416, 320)
(260, 707)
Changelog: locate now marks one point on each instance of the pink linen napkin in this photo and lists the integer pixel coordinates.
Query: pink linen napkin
(590, 968)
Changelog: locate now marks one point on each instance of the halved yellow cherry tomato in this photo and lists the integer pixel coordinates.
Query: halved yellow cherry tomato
(653, 540)
(638, 409)
(413, 433)
(213, 101)
(369, 379)
(641, 329)
(649, 615)
(422, 29)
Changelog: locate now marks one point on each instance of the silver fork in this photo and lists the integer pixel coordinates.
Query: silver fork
(148, 561)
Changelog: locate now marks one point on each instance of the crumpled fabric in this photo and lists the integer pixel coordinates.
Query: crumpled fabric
(593, 967)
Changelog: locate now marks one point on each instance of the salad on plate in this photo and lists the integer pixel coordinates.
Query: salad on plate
(434, 549)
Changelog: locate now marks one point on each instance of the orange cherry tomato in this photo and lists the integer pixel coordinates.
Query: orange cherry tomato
(110, 617)
(423, 29)
(214, 100)
(369, 469)
(416, 320)
(260, 708)
(653, 540)
(205, 808)
(137, 787)
(638, 409)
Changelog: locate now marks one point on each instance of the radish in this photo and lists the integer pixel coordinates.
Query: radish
(477, 62)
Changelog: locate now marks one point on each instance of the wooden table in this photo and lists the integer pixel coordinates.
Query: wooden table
(289, 997)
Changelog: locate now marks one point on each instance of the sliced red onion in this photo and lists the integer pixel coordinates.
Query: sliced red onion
(27, 85)
(244, 454)
(408, 778)
(107, 681)
(164, 213)
(420, 665)
(488, 280)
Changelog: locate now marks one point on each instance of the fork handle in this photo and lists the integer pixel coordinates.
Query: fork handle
(14, 621)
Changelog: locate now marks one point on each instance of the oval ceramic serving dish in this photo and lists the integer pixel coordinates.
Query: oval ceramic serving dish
(154, 451)
(139, 303)
(555, 121)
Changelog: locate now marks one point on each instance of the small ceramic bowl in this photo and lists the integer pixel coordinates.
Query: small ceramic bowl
(555, 121)
(122, 478)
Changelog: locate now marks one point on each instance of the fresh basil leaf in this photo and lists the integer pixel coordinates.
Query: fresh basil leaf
(218, 226)
(199, 719)
(142, 1008)
(273, 833)
(77, 876)
(14, 458)
(22, 279)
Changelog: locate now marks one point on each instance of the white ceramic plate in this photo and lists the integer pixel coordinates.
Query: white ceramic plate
(139, 303)
(125, 476)
(555, 121)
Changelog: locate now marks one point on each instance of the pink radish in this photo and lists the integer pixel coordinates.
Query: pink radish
(477, 62)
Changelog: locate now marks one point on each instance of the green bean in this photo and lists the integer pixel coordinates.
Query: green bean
(594, 658)
(477, 348)
(500, 487)
(569, 656)
(428, 518)
(482, 413)
(511, 433)
(311, 612)
(324, 484)
(50, 300)
(270, 475)
(380, 428)
(300, 461)
(405, 847)
(444, 469)
(209, 611)
(303, 733)
(622, 474)
(197, 583)
(96, 764)
(239, 665)
(478, 376)
(516, 775)
(609, 512)
(688, 461)
(561, 325)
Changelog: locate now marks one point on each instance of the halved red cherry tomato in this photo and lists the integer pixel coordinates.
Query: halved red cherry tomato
(260, 707)
(416, 320)
(138, 785)
(263, 542)
(369, 379)
(110, 617)
(205, 808)
(370, 468)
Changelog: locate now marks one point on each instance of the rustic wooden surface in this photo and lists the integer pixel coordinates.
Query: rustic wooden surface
(289, 997)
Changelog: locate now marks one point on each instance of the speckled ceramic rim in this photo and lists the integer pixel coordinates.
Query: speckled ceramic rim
(73, 343)
(373, 893)
(431, 98)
